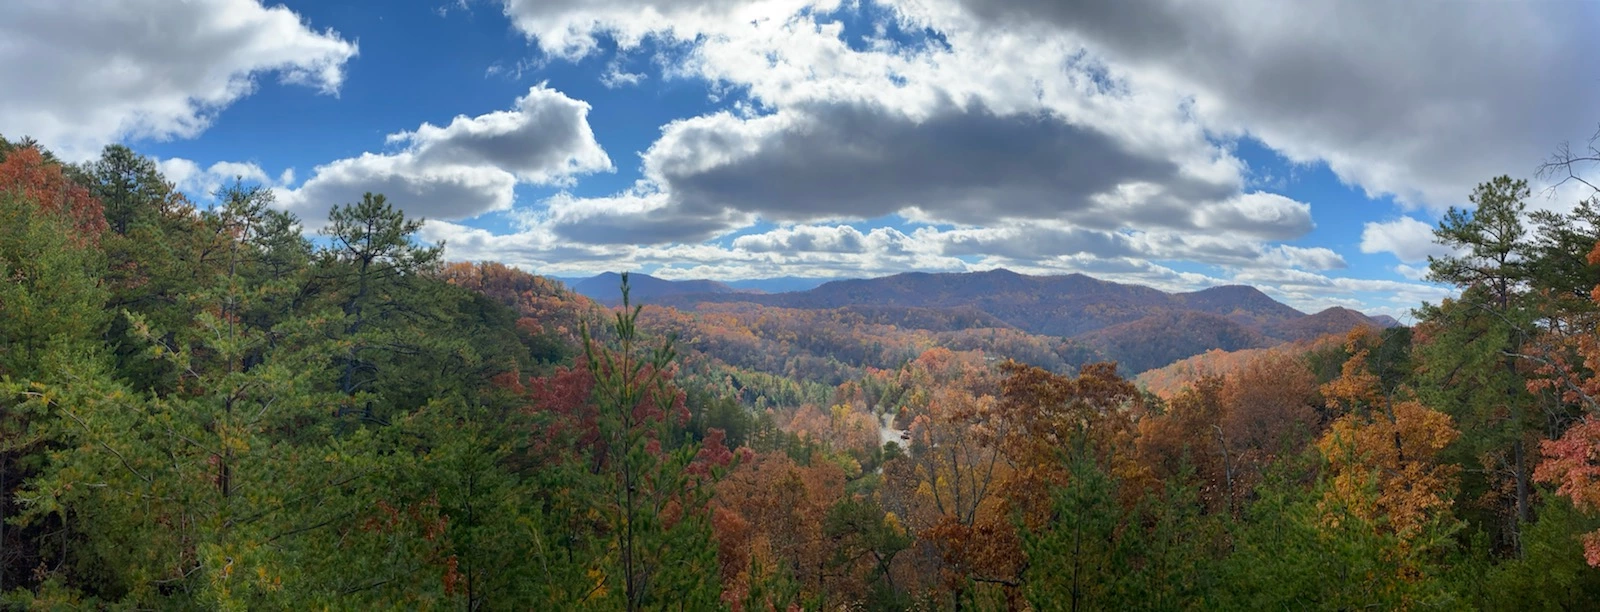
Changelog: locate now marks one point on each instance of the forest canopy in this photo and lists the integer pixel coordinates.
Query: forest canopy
(207, 407)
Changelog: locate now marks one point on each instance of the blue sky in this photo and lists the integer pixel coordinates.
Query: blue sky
(1304, 150)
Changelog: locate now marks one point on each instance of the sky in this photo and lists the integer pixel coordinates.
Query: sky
(1306, 148)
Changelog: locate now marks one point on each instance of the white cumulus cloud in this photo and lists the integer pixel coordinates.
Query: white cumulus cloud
(466, 168)
(80, 75)
(1406, 237)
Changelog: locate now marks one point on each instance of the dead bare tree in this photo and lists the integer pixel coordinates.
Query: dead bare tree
(1566, 165)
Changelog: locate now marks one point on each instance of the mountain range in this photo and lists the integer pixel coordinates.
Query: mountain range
(1140, 327)
(604, 287)
(607, 288)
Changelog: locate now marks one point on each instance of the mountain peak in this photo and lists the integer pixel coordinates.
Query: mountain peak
(1385, 320)
(999, 272)
(606, 287)
(1239, 301)
(1332, 320)
(1337, 310)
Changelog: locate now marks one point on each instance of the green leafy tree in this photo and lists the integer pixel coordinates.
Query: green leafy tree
(1296, 550)
(1551, 573)
(130, 186)
(1098, 553)
(1558, 259)
(865, 535)
(1489, 240)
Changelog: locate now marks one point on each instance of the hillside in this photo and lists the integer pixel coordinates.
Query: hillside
(1335, 320)
(1160, 339)
(1139, 327)
(782, 284)
(603, 288)
(1049, 305)
(835, 345)
(1168, 380)
(1385, 320)
(1241, 303)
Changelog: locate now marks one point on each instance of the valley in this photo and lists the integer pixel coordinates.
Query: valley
(1056, 322)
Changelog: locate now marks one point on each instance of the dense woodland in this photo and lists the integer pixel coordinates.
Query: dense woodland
(1046, 321)
(208, 407)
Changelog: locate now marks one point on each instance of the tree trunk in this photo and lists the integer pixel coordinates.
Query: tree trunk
(5, 494)
(1521, 470)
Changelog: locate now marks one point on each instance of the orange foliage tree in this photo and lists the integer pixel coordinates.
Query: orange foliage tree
(946, 488)
(1569, 358)
(1269, 408)
(1190, 435)
(1228, 429)
(850, 433)
(546, 307)
(1390, 445)
(957, 504)
(40, 180)
(984, 455)
(1094, 414)
(768, 521)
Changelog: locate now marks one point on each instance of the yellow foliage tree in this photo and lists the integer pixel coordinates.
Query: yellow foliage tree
(1390, 446)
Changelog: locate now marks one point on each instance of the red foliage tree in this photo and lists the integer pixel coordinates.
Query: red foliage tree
(27, 171)
(1568, 365)
(768, 519)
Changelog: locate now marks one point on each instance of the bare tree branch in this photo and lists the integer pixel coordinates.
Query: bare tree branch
(1564, 165)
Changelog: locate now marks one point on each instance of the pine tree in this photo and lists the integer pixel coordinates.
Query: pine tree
(654, 502)
(1468, 364)
(374, 270)
(52, 312)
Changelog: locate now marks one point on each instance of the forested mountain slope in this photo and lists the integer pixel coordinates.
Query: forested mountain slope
(603, 287)
(1160, 339)
(1138, 327)
(201, 408)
